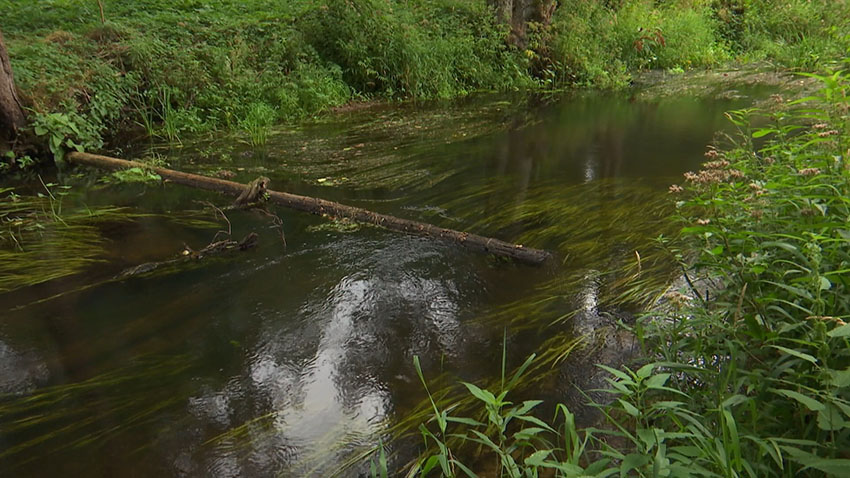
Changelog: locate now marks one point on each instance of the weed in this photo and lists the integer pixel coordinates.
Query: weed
(65, 131)
(135, 175)
(258, 121)
(168, 115)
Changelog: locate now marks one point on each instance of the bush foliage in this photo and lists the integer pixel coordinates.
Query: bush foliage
(189, 66)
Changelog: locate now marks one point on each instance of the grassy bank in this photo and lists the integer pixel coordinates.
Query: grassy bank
(181, 68)
(745, 370)
(172, 69)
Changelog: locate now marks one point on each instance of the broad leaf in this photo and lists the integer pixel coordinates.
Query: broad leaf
(809, 402)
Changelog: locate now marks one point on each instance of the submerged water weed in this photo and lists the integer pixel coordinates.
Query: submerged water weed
(94, 410)
(39, 241)
(604, 233)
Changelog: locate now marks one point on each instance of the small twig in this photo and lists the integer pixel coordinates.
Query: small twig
(691, 284)
(102, 18)
(218, 212)
(277, 223)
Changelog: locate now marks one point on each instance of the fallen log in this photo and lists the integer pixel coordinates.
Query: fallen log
(327, 208)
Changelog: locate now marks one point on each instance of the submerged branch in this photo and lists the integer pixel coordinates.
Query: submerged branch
(216, 247)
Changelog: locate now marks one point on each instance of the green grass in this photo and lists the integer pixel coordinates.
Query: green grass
(599, 43)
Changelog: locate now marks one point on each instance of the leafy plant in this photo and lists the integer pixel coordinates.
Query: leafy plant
(65, 131)
(136, 175)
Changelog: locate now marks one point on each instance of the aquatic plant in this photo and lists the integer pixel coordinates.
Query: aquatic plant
(71, 416)
(40, 240)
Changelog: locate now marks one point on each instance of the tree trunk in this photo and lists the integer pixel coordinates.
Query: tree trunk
(11, 111)
(519, 13)
(328, 209)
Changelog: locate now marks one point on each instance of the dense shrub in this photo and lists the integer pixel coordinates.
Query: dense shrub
(597, 43)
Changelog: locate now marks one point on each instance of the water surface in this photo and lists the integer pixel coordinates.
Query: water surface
(289, 360)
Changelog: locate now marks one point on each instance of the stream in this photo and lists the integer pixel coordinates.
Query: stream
(290, 359)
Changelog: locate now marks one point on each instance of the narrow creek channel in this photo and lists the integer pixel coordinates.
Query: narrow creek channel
(287, 361)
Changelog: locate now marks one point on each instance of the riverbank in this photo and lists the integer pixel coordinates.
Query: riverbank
(745, 370)
(175, 70)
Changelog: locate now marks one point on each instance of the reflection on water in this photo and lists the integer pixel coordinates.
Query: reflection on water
(20, 372)
(289, 361)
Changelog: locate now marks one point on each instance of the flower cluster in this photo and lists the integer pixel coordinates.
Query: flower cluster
(677, 298)
(809, 171)
(719, 164)
(758, 189)
(713, 176)
(827, 318)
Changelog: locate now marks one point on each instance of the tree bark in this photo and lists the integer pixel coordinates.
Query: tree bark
(519, 13)
(12, 116)
(327, 208)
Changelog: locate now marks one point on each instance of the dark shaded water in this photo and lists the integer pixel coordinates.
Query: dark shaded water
(285, 361)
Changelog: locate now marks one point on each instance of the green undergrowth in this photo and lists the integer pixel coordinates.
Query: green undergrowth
(178, 69)
(175, 69)
(745, 370)
(598, 43)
